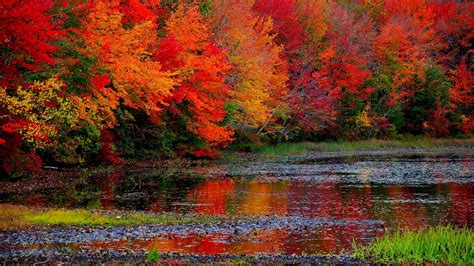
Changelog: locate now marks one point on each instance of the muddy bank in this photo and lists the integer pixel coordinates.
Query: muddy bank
(233, 229)
(250, 240)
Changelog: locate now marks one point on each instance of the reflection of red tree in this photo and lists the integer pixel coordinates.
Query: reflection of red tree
(262, 198)
(462, 203)
(406, 213)
(36, 200)
(315, 200)
(185, 244)
(209, 245)
(357, 203)
(107, 187)
(197, 244)
(328, 200)
(211, 196)
(268, 241)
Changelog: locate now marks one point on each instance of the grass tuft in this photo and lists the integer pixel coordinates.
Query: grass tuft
(444, 244)
(153, 255)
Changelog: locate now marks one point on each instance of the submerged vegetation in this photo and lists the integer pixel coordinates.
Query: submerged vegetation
(15, 217)
(445, 244)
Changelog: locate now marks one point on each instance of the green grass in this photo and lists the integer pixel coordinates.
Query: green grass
(444, 244)
(14, 217)
(153, 255)
(404, 142)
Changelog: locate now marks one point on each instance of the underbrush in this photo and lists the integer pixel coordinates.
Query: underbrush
(403, 142)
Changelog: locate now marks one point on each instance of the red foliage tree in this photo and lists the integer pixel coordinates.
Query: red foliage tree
(462, 97)
(26, 37)
(135, 11)
(289, 30)
(201, 67)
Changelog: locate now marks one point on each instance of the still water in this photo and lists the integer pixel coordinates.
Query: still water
(338, 200)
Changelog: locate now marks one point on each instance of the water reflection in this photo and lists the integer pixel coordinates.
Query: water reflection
(324, 240)
(397, 206)
(405, 206)
(211, 197)
(461, 198)
(400, 193)
(107, 189)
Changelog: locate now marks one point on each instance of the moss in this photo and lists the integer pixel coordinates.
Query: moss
(14, 217)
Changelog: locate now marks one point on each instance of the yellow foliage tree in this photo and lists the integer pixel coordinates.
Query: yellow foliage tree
(259, 73)
(42, 109)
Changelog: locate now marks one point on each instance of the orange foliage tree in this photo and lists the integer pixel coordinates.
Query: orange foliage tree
(201, 67)
(137, 79)
(259, 72)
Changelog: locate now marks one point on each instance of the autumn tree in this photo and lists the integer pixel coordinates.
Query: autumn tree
(298, 27)
(259, 73)
(404, 49)
(200, 96)
(26, 38)
(454, 24)
(346, 70)
(289, 30)
(39, 112)
(461, 97)
(310, 107)
(26, 47)
(137, 79)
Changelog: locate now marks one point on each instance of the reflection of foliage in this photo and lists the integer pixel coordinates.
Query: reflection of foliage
(136, 190)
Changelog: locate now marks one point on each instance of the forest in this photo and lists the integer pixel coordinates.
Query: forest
(85, 82)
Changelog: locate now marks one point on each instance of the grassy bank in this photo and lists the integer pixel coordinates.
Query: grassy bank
(17, 217)
(440, 244)
(405, 142)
